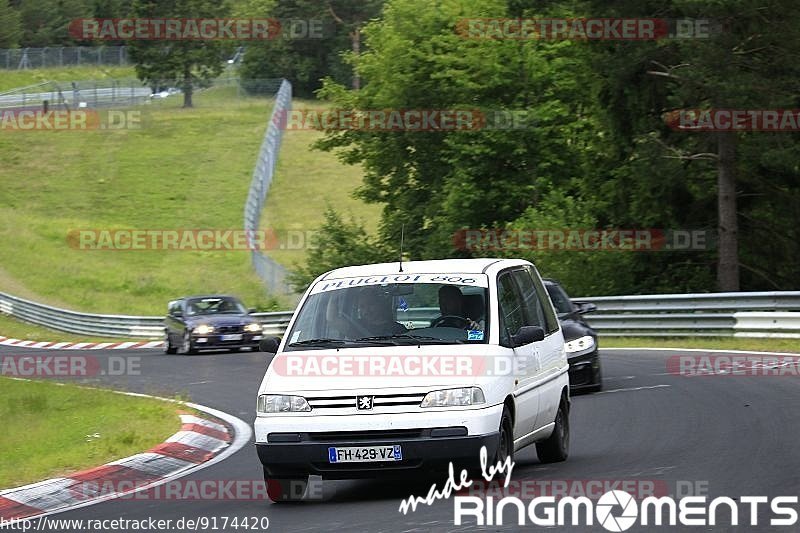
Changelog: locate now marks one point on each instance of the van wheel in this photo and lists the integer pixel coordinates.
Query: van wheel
(556, 448)
(281, 490)
(505, 445)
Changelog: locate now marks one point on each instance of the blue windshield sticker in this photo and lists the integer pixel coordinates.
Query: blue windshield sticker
(474, 335)
(402, 304)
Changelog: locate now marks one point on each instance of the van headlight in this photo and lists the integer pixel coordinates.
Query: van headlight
(580, 344)
(453, 397)
(281, 403)
(255, 327)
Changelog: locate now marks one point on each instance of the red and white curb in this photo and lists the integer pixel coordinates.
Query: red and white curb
(5, 341)
(199, 444)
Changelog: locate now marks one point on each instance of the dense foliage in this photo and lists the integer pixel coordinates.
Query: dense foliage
(597, 150)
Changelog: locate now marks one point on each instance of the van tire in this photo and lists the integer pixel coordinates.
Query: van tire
(556, 447)
(505, 443)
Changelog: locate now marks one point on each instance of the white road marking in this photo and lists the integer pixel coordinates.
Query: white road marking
(633, 389)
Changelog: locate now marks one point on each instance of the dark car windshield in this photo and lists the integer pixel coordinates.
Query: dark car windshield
(561, 301)
(214, 306)
(393, 314)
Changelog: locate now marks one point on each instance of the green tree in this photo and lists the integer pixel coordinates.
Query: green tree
(10, 25)
(46, 23)
(438, 182)
(186, 64)
(305, 60)
(746, 62)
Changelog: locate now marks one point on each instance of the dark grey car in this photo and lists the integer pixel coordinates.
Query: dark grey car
(211, 322)
(580, 340)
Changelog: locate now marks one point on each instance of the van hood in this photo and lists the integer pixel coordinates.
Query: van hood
(379, 368)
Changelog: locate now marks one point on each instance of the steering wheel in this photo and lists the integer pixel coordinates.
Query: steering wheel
(450, 321)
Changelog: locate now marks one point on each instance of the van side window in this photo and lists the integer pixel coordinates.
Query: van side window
(512, 316)
(534, 314)
(551, 320)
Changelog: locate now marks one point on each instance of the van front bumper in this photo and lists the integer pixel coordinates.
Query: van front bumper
(298, 446)
(290, 460)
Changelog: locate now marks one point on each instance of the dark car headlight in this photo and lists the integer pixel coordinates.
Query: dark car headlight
(203, 329)
(581, 344)
(255, 327)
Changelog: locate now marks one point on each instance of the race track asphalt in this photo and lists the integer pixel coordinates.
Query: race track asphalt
(728, 435)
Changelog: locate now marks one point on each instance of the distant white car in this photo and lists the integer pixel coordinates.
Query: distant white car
(393, 369)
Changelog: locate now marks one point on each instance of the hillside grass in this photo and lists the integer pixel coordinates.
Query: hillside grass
(183, 169)
(306, 181)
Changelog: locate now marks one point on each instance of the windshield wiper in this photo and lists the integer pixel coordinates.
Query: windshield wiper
(410, 336)
(311, 342)
(338, 342)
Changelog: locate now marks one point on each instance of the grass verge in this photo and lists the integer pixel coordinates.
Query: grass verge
(715, 343)
(12, 79)
(52, 429)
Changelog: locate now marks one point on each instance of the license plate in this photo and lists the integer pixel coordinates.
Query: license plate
(365, 454)
(232, 337)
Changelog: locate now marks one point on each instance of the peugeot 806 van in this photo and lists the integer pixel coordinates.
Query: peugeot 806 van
(401, 368)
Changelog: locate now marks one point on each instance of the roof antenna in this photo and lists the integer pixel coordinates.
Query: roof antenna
(402, 236)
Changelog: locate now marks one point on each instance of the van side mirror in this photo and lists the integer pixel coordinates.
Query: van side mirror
(251, 310)
(269, 344)
(177, 313)
(527, 335)
(585, 307)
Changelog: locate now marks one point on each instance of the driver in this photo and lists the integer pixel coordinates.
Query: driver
(376, 313)
(451, 303)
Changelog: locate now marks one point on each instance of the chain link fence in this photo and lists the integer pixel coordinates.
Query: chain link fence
(271, 273)
(63, 56)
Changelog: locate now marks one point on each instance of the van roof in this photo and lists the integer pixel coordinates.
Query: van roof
(443, 266)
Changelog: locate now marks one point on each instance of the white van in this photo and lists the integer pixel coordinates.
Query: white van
(392, 369)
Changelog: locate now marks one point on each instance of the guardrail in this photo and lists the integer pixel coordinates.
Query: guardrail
(731, 314)
(749, 314)
(97, 325)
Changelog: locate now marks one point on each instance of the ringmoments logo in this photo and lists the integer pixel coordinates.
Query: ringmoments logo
(615, 510)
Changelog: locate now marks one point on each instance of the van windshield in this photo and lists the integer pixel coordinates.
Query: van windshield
(426, 309)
